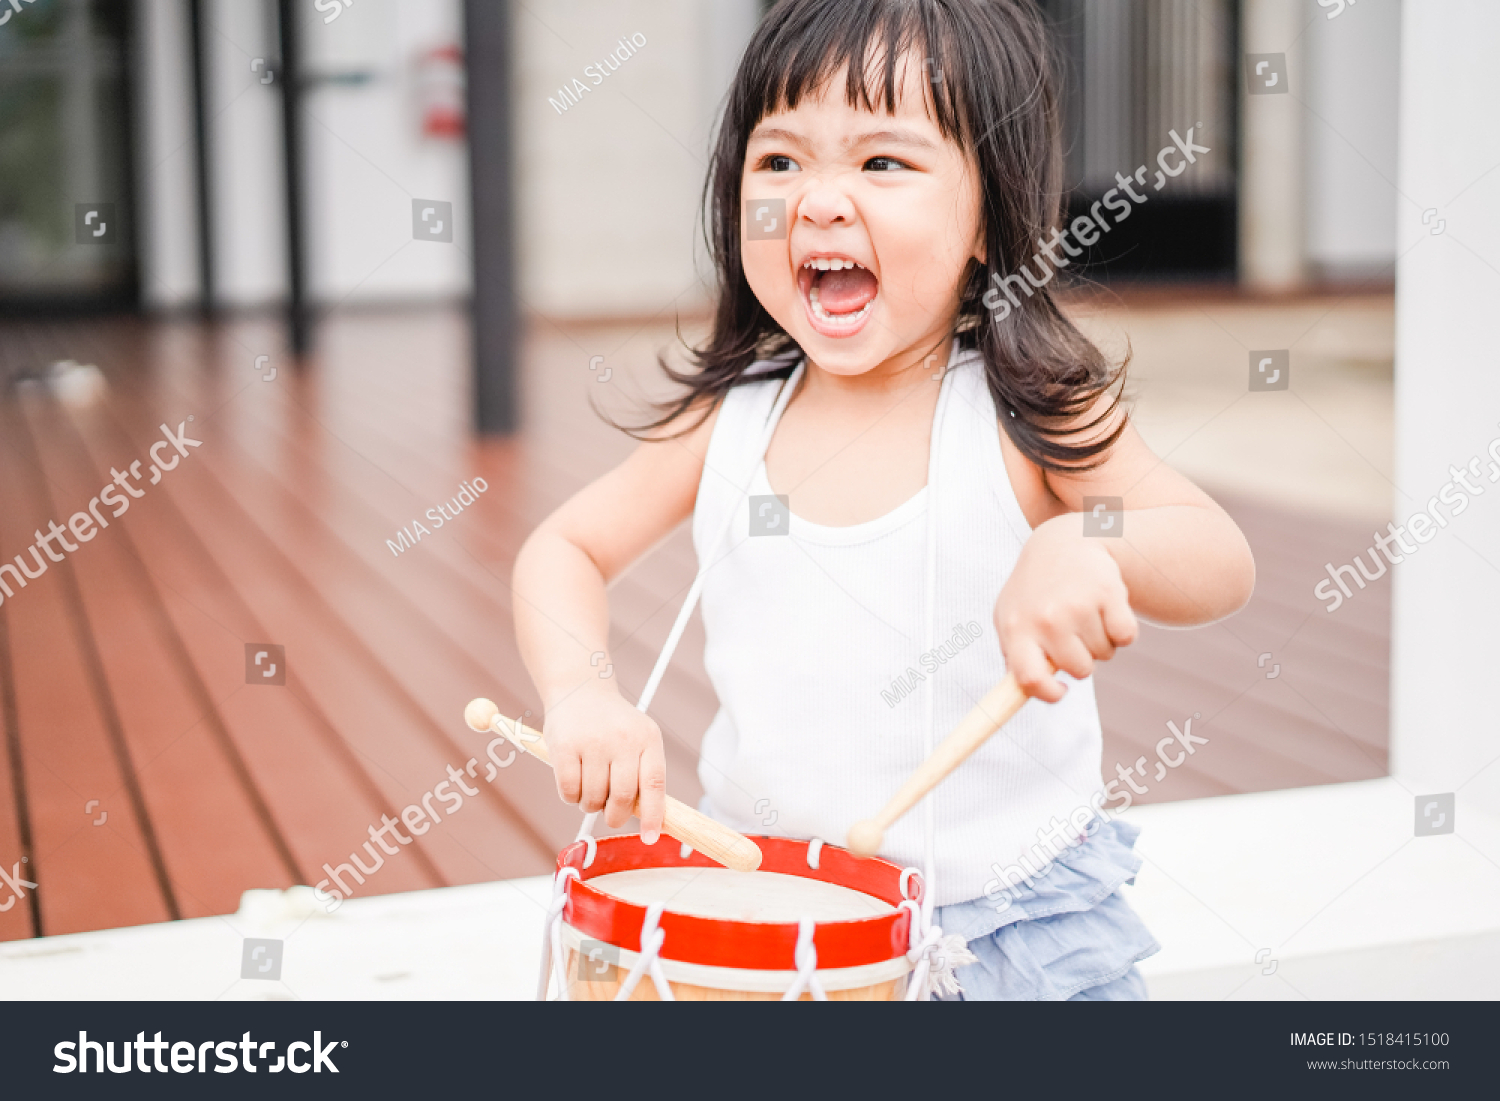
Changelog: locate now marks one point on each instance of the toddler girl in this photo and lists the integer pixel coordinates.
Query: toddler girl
(941, 486)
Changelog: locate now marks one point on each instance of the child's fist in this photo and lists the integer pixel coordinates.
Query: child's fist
(1064, 607)
(605, 753)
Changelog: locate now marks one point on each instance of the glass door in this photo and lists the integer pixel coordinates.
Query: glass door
(66, 233)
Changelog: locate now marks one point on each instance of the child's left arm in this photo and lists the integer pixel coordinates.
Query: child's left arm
(1072, 598)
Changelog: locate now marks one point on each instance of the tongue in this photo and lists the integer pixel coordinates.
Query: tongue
(846, 290)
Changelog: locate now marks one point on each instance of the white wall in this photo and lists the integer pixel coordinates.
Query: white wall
(1349, 125)
(609, 189)
(367, 159)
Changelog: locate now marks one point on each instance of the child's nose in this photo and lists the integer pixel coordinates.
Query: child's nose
(826, 204)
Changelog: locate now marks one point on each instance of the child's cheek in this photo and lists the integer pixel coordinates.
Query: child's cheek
(766, 267)
(914, 280)
(927, 275)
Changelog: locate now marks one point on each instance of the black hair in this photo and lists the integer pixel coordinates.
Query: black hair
(992, 79)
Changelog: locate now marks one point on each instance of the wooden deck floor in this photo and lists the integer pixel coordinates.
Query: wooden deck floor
(144, 779)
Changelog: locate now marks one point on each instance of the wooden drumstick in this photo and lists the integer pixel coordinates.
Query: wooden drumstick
(988, 715)
(713, 839)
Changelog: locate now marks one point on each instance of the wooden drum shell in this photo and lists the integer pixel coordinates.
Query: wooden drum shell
(605, 988)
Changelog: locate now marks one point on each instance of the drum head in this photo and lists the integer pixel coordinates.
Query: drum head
(740, 896)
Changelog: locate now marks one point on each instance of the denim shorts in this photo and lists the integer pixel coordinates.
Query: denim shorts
(1065, 935)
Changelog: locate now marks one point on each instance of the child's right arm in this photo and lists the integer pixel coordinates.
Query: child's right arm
(604, 752)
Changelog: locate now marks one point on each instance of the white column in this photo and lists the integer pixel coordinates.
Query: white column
(1271, 188)
(244, 136)
(1352, 90)
(1446, 648)
(166, 198)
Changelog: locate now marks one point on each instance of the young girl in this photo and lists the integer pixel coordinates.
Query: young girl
(919, 461)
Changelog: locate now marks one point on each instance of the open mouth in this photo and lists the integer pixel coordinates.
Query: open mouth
(839, 293)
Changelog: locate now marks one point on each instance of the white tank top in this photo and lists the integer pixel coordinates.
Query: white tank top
(817, 648)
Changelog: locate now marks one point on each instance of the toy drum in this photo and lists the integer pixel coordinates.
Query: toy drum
(814, 921)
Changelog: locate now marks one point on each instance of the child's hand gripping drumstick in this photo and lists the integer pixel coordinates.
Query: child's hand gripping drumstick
(988, 715)
(712, 839)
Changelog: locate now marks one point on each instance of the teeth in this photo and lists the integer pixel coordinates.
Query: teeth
(836, 319)
(824, 263)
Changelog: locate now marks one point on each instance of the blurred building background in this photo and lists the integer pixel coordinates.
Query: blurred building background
(225, 202)
(103, 98)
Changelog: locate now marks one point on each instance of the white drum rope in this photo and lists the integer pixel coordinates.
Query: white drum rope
(586, 830)
(924, 935)
(648, 960)
(806, 958)
(552, 953)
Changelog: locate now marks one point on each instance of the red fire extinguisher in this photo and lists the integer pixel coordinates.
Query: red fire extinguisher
(440, 91)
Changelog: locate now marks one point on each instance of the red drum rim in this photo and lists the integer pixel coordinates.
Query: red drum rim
(754, 945)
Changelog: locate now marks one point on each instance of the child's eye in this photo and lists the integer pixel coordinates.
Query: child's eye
(778, 162)
(883, 164)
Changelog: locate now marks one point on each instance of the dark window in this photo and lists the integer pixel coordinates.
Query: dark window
(1136, 71)
(65, 155)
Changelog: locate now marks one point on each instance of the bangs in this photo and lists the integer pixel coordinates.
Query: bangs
(870, 40)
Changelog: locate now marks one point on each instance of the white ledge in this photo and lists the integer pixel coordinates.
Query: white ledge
(1309, 873)
(1328, 885)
